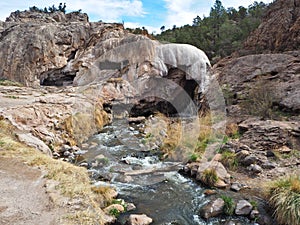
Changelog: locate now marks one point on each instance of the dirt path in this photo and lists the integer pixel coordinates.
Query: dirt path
(23, 197)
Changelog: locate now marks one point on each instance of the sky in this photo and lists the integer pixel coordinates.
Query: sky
(151, 14)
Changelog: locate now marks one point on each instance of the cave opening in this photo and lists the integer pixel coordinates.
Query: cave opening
(182, 97)
(58, 78)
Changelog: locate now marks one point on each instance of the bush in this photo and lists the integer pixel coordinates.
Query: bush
(229, 205)
(209, 177)
(260, 100)
(229, 160)
(284, 197)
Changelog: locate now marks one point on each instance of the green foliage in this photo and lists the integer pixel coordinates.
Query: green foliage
(50, 9)
(230, 160)
(193, 157)
(254, 204)
(114, 212)
(209, 177)
(260, 100)
(4, 82)
(284, 197)
(221, 33)
(229, 205)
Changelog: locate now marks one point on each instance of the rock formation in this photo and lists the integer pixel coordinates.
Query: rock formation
(279, 31)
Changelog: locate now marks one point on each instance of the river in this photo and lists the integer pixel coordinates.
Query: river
(156, 187)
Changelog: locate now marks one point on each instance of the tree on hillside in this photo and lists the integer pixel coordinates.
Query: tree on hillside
(222, 32)
(50, 9)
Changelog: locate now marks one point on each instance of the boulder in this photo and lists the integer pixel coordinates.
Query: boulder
(212, 209)
(237, 186)
(250, 159)
(269, 135)
(243, 208)
(112, 207)
(255, 168)
(223, 175)
(135, 219)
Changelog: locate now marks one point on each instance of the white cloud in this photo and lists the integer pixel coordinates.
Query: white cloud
(151, 29)
(106, 10)
(183, 12)
(109, 10)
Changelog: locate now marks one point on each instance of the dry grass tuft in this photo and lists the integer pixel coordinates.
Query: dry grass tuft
(209, 177)
(284, 197)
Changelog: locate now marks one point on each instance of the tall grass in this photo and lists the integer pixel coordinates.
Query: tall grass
(209, 177)
(284, 197)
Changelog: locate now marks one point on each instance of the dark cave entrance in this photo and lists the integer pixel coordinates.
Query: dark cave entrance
(181, 97)
(57, 78)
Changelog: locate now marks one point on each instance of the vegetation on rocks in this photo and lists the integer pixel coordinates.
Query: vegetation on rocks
(51, 9)
(260, 100)
(284, 197)
(72, 182)
(229, 205)
(209, 177)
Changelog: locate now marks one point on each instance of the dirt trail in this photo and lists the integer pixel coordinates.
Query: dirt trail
(23, 197)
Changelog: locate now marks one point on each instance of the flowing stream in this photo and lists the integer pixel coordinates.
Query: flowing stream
(155, 187)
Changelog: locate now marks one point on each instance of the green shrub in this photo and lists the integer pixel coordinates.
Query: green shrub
(229, 160)
(193, 157)
(114, 212)
(209, 177)
(284, 197)
(229, 205)
(260, 100)
(254, 204)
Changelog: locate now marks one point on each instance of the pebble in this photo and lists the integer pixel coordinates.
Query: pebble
(255, 168)
(84, 164)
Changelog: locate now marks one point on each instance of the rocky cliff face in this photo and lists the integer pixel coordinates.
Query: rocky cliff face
(59, 50)
(49, 49)
(279, 31)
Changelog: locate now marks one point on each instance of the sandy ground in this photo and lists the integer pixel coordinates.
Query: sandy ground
(23, 197)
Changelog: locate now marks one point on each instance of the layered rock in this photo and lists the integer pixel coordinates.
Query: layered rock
(279, 30)
(49, 48)
(278, 73)
(48, 119)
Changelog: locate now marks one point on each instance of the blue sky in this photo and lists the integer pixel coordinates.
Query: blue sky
(152, 14)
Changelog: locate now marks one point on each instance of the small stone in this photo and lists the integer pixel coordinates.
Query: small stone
(84, 164)
(285, 150)
(269, 165)
(99, 157)
(142, 219)
(56, 155)
(242, 154)
(243, 208)
(254, 214)
(67, 153)
(118, 207)
(75, 148)
(255, 168)
(220, 184)
(209, 192)
(212, 209)
(80, 152)
(251, 159)
(236, 187)
(131, 128)
(130, 207)
(270, 154)
(67, 148)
